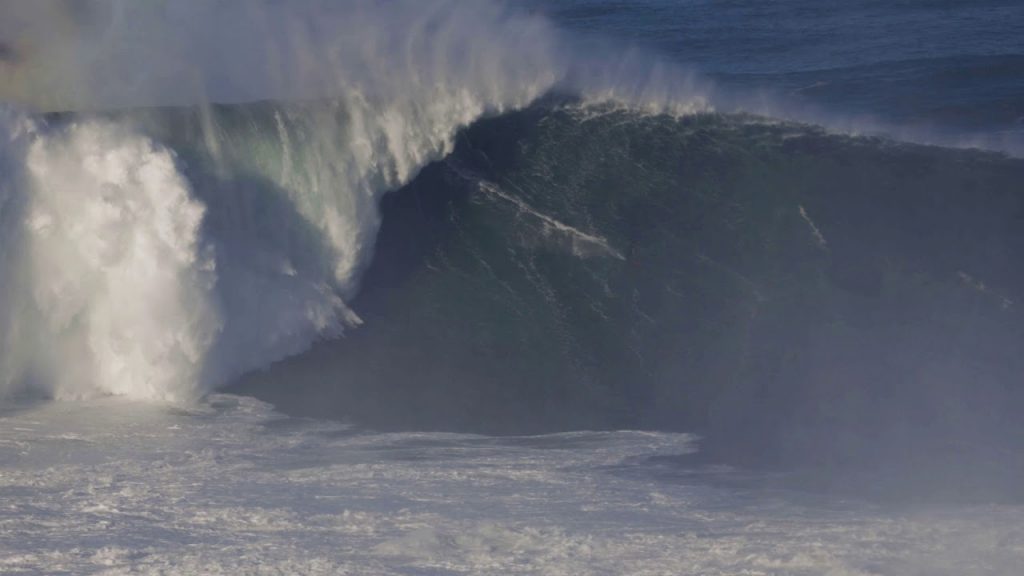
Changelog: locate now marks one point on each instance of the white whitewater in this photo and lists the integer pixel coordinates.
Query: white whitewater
(122, 289)
(113, 487)
(114, 277)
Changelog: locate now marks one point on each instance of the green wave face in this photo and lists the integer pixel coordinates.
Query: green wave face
(576, 267)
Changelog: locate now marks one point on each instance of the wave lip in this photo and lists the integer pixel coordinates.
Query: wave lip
(158, 253)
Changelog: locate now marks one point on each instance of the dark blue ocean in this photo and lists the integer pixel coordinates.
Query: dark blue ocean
(934, 65)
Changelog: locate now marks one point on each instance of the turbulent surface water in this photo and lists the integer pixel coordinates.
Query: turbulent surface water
(229, 487)
(794, 340)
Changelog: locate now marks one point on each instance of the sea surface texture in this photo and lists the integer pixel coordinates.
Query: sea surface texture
(551, 287)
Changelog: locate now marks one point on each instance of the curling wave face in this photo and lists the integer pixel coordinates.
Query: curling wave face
(160, 252)
(780, 289)
(157, 246)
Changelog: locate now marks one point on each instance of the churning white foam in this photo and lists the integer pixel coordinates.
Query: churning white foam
(118, 275)
(111, 288)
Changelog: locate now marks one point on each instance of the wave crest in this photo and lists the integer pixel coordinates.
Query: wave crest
(160, 252)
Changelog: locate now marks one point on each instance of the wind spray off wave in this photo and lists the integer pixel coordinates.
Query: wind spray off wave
(158, 253)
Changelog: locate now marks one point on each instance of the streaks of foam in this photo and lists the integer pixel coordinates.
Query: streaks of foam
(228, 487)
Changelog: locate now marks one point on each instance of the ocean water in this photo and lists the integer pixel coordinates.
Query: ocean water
(229, 487)
(538, 287)
(937, 67)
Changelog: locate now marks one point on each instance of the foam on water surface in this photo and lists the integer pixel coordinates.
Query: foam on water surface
(229, 487)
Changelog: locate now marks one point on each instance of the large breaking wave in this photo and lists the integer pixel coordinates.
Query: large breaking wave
(584, 256)
(159, 251)
(135, 269)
